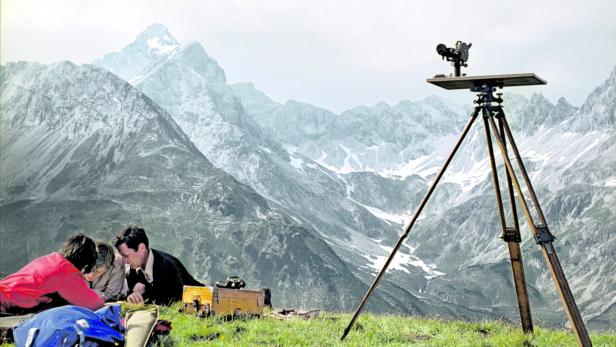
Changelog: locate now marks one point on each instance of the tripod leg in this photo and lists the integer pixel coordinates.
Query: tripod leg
(509, 235)
(518, 158)
(544, 239)
(515, 254)
(411, 223)
(499, 200)
(517, 267)
(501, 118)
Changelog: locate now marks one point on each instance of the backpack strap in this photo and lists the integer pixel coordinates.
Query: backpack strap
(32, 334)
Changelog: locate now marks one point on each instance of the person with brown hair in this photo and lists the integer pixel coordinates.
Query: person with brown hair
(154, 275)
(53, 280)
(108, 277)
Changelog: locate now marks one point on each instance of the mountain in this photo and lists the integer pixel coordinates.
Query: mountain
(191, 86)
(154, 45)
(598, 112)
(84, 150)
(376, 136)
(568, 151)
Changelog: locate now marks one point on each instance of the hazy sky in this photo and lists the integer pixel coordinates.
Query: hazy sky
(337, 54)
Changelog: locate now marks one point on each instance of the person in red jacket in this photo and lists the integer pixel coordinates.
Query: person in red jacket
(53, 280)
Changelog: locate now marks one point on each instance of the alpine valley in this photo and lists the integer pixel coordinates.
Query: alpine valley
(297, 198)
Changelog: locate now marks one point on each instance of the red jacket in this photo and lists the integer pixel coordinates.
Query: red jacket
(45, 282)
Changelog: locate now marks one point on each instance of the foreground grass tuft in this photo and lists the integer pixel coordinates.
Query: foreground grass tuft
(369, 330)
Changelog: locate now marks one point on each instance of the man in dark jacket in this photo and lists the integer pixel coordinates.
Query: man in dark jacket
(154, 276)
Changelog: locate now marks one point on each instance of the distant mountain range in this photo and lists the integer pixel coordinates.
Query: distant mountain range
(297, 198)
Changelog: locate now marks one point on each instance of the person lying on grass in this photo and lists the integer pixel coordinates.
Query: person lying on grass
(53, 280)
(108, 277)
(153, 275)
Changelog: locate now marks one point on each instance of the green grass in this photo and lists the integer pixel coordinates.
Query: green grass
(369, 330)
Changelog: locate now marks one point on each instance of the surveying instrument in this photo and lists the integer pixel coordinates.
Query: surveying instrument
(489, 106)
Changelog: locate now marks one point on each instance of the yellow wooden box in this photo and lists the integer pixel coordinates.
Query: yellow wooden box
(208, 300)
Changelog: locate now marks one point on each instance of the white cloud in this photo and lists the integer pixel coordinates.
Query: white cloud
(337, 54)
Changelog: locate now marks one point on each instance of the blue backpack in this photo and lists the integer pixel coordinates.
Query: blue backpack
(71, 325)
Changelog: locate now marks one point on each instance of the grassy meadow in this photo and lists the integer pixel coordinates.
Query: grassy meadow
(369, 330)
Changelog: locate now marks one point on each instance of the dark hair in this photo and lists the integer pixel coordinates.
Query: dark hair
(105, 254)
(132, 236)
(80, 250)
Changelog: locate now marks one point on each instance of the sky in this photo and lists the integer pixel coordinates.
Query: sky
(337, 54)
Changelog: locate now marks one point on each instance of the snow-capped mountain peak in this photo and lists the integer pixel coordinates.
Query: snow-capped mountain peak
(157, 40)
(155, 47)
(599, 110)
(151, 47)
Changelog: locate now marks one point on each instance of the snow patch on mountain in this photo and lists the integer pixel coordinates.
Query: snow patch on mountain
(610, 182)
(412, 167)
(401, 262)
(469, 178)
(297, 163)
(387, 217)
(162, 45)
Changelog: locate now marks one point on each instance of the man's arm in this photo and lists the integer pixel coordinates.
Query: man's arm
(138, 284)
(168, 285)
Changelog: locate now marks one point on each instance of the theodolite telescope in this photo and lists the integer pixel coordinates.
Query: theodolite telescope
(458, 55)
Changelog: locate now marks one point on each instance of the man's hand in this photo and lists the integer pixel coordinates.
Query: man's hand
(136, 297)
(139, 288)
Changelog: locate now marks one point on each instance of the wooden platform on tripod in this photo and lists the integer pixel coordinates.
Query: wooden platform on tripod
(468, 82)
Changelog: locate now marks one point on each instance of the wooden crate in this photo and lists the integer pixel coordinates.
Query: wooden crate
(208, 300)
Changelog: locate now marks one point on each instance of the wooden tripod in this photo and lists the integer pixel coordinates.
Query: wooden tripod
(490, 108)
